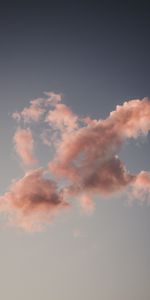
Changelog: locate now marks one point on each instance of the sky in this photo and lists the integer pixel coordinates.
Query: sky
(74, 135)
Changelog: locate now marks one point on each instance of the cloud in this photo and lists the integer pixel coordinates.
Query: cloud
(62, 118)
(141, 187)
(132, 118)
(86, 157)
(32, 201)
(87, 203)
(31, 113)
(36, 109)
(52, 98)
(24, 146)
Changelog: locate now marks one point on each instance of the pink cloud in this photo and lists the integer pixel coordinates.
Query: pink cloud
(132, 118)
(85, 159)
(62, 118)
(87, 203)
(141, 187)
(32, 201)
(37, 108)
(31, 113)
(52, 98)
(87, 156)
(24, 146)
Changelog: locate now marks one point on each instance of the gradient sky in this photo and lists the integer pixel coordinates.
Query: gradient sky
(97, 56)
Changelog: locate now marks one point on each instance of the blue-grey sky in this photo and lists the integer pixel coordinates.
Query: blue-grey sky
(97, 56)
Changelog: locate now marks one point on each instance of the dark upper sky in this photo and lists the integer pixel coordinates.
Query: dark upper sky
(86, 50)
